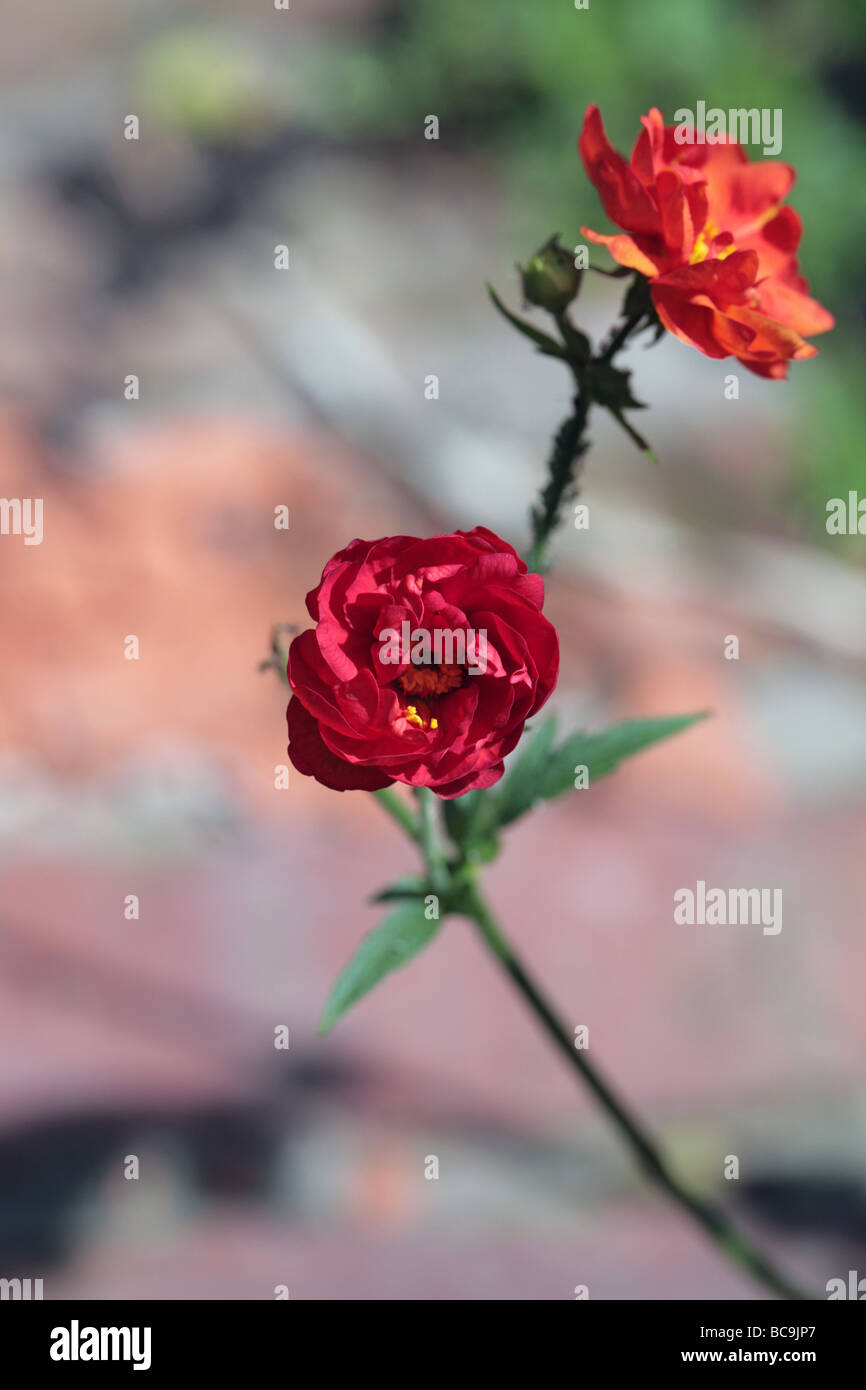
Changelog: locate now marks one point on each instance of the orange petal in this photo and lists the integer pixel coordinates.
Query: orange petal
(787, 305)
(624, 250)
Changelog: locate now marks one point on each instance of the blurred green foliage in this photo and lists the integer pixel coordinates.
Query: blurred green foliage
(202, 83)
(512, 80)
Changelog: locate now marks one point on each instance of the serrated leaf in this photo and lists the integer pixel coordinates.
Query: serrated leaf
(400, 937)
(602, 753)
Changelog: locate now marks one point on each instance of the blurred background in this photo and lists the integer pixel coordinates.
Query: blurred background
(154, 1036)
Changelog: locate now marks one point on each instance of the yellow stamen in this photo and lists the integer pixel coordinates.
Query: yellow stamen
(413, 717)
(703, 242)
(419, 717)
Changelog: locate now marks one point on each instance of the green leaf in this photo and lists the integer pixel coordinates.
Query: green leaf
(539, 772)
(408, 886)
(549, 346)
(400, 937)
(602, 753)
(611, 387)
(460, 811)
(579, 346)
(469, 822)
(633, 434)
(482, 848)
(521, 785)
(638, 299)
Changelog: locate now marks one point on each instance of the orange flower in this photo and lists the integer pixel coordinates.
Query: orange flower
(709, 230)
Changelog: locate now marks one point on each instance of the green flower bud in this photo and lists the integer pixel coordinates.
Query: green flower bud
(551, 280)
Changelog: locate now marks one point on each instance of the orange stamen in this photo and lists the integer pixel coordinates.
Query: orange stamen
(431, 680)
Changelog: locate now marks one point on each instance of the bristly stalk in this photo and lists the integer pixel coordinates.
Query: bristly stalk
(551, 282)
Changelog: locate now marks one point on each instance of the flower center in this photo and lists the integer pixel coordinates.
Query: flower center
(425, 683)
(705, 238)
(431, 680)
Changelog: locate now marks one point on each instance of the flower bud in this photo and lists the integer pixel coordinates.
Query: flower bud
(551, 280)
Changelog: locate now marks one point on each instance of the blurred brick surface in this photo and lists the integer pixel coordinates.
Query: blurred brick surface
(246, 917)
(618, 1257)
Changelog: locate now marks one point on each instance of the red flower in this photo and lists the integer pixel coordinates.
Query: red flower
(709, 231)
(371, 702)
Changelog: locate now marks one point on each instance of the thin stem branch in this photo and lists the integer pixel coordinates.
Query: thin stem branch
(710, 1218)
(619, 339)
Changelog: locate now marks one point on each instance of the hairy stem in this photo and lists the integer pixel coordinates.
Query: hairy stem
(619, 339)
(569, 444)
(713, 1221)
(568, 447)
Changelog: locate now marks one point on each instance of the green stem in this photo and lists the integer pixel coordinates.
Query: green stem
(711, 1219)
(619, 339)
(430, 841)
(568, 446)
